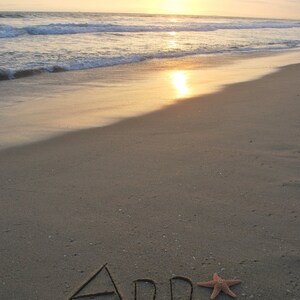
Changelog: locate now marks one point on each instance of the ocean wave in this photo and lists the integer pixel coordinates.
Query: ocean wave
(7, 31)
(8, 74)
(77, 28)
(92, 63)
(9, 15)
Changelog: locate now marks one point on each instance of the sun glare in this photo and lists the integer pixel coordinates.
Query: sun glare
(179, 81)
(174, 6)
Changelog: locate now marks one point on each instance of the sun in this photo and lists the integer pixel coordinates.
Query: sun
(174, 6)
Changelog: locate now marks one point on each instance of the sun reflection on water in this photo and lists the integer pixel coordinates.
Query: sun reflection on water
(179, 81)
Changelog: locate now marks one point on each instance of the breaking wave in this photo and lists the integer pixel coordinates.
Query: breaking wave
(91, 63)
(77, 28)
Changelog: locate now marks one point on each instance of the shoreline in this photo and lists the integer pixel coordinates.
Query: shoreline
(21, 74)
(199, 187)
(56, 104)
(93, 130)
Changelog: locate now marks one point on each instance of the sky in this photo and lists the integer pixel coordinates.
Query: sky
(241, 8)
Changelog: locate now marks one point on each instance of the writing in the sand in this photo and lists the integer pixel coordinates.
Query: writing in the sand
(102, 286)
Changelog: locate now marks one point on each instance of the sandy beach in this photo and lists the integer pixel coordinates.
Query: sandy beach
(210, 184)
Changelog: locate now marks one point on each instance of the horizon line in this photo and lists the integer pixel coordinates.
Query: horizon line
(147, 14)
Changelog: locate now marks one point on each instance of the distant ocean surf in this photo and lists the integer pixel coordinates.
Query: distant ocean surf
(32, 43)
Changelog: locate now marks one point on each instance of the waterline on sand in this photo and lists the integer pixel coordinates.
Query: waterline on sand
(54, 104)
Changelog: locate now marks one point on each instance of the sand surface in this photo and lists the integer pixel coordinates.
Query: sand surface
(208, 185)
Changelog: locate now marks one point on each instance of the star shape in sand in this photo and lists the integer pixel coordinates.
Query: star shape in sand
(219, 285)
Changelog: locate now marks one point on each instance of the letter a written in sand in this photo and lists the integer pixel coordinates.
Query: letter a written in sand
(100, 286)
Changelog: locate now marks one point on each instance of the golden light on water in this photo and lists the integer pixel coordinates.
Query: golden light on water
(172, 43)
(179, 81)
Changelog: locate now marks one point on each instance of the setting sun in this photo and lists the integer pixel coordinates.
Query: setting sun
(174, 6)
(278, 9)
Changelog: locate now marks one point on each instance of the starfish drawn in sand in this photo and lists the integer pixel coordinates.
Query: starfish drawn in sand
(219, 285)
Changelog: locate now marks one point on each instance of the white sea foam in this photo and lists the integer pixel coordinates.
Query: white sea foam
(76, 28)
(83, 64)
(7, 31)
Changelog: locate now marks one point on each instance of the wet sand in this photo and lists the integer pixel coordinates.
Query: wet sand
(40, 107)
(210, 184)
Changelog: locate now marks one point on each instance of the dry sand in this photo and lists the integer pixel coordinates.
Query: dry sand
(208, 185)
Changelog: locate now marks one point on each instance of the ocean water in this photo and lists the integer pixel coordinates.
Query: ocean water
(31, 43)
